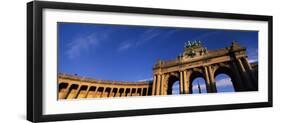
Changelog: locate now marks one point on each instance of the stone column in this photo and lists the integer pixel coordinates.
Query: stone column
(85, 93)
(77, 92)
(116, 93)
(136, 93)
(147, 91)
(63, 95)
(158, 84)
(141, 92)
(104, 88)
(241, 65)
(95, 94)
(181, 83)
(123, 93)
(186, 76)
(247, 63)
(212, 80)
(88, 90)
(96, 91)
(153, 85)
(245, 76)
(208, 87)
(130, 92)
(162, 84)
(238, 82)
(250, 72)
(110, 93)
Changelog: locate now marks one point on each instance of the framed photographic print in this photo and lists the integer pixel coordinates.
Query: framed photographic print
(95, 61)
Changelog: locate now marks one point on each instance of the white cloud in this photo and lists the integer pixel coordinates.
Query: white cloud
(147, 79)
(253, 60)
(219, 84)
(152, 33)
(83, 43)
(202, 87)
(124, 46)
(147, 36)
(144, 37)
(252, 55)
(224, 82)
(176, 88)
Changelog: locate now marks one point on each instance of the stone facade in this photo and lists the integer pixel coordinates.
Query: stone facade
(195, 61)
(75, 87)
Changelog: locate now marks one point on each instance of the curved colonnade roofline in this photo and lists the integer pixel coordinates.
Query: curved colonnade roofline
(76, 87)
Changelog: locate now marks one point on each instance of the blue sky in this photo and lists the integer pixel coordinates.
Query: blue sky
(122, 52)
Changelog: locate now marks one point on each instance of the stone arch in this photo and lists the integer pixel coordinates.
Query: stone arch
(122, 92)
(196, 73)
(106, 92)
(99, 92)
(127, 92)
(253, 75)
(63, 90)
(144, 92)
(226, 69)
(134, 91)
(91, 93)
(82, 92)
(72, 91)
(62, 86)
(139, 92)
(114, 92)
(171, 79)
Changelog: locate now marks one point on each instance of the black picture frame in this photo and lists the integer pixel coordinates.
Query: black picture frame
(35, 69)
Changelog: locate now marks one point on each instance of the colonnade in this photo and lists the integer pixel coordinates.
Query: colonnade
(73, 91)
(73, 87)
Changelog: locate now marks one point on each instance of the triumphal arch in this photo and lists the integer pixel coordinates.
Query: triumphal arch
(197, 61)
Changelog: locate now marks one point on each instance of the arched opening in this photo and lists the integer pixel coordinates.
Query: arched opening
(62, 86)
(127, 92)
(72, 91)
(122, 92)
(114, 93)
(139, 92)
(252, 73)
(176, 88)
(134, 92)
(173, 85)
(197, 83)
(91, 93)
(144, 91)
(149, 92)
(106, 92)
(62, 90)
(82, 92)
(99, 92)
(225, 81)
